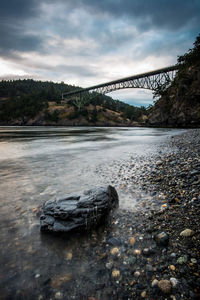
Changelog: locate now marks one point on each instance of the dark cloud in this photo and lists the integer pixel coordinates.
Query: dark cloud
(171, 14)
(13, 39)
(14, 17)
(19, 20)
(18, 9)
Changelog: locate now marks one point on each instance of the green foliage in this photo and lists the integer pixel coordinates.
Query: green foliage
(192, 56)
(94, 115)
(44, 90)
(20, 107)
(52, 117)
(26, 98)
(183, 78)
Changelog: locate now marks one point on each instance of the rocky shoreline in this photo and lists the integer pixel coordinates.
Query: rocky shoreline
(149, 253)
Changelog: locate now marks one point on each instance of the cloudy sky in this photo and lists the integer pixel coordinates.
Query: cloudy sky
(87, 42)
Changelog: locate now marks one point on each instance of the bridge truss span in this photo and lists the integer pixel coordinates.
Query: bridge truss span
(150, 80)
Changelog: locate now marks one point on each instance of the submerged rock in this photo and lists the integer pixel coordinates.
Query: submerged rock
(78, 212)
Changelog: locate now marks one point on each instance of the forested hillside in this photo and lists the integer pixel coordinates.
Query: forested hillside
(30, 102)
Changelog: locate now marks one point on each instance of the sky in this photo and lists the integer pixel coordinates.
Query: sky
(88, 42)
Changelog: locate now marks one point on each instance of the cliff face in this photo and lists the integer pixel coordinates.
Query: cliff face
(180, 106)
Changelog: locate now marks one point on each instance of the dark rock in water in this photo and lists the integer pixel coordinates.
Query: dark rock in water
(78, 212)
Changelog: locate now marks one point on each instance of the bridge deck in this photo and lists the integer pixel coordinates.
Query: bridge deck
(142, 75)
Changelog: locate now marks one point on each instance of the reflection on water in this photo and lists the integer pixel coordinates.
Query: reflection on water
(38, 163)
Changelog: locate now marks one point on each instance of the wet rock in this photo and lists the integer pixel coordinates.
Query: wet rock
(137, 251)
(147, 251)
(165, 286)
(173, 281)
(143, 294)
(137, 274)
(187, 232)
(132, 241)
(162, 239)
(172, 267)
(130, 260)
(114, 242)
(193, 260)
(109, 265)
(182, 260)
(154, 283)
(58, 295)
(78, 212)
(114, 251)
(115, 273)
(69, 256)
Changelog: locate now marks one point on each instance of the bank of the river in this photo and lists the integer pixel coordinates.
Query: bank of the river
(123, 259)
(161, 267)
(133, 261)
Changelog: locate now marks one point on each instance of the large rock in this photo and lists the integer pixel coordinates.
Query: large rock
(78, 212)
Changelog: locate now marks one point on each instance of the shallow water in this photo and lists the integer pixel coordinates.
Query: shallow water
(38, 163)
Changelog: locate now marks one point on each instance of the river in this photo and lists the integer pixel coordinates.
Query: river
(40, 163)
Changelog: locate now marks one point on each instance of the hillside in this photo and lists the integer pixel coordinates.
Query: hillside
(179, 105)
(30, 102)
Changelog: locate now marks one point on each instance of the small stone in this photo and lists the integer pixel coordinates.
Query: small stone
(132, 241)
(58, 295)
(164, 205)
(137, 274)
(34, 210)
(143, 294)
(154, 283)
(114, 242)
(114, 251)
(165, 286)
(187, 232)
(172, 267)
(56, 282)
(137, 252)
(69, 256)
(130, 260)
(159, 163)
(173, 281)
(162, 239)
(182, 260)
(109, 265)
(37, 275)
(147, 251)
(115, 273)
(193, 260)
(173, 254)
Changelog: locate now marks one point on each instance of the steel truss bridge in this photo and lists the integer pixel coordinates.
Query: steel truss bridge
(150, 80)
